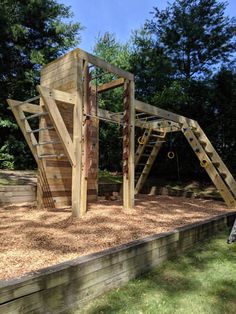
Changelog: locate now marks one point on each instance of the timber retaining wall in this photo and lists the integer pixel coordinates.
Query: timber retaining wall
(66, 287)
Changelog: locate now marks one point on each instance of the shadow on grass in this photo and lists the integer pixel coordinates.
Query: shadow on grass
(201, 281)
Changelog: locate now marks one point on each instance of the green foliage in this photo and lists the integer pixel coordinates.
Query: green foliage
(195, 34)
(33, 33)
(151, 66)
(176, 57)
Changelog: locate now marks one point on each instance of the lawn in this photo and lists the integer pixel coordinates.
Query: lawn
(202, 281)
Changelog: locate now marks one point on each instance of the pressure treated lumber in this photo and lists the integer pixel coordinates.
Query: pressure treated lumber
(58, 123)
(210, 168)
(110, 85)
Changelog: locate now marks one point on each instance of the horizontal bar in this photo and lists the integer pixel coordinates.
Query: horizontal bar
(60, 95)
(27, 101)
(45, 143)
(41, 129)
(36, 115)
(110, 85)
(152, 110)
(51, 156)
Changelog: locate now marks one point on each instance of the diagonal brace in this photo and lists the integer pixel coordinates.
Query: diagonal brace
(58, 123)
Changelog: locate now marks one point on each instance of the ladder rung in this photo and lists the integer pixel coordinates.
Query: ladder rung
(146, 155)
(51, 156)
(156, 135)
(140, 165)
(26, 101)
(41, 129)
(35, 115)
(45, 143)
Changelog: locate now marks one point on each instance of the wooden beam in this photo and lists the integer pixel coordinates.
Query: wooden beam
(58, 95)
(128, 178)
(103, 64)
(24, 126)
(78, 144)
(58, 123)
(110, 85)
(30, 108)
(156, 111)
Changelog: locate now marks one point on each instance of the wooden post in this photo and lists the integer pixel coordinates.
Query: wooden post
(77, 209)
(128, 146)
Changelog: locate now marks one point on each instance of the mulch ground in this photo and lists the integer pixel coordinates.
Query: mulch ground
(31, 239)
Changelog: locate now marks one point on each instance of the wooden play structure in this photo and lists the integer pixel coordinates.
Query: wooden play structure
(61, 127)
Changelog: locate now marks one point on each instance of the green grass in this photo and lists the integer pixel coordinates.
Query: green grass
(107, 177)
(202, 281)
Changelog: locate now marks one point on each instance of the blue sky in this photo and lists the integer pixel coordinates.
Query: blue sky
(116, 16)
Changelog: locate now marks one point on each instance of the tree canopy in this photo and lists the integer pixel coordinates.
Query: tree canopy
(33, 33)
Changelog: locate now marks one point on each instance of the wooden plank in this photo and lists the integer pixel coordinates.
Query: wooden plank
(31, 108)
(58, 123)
(24, 126)
(65, 70)
(60, 82)
(78, 144)
(57, 64)
(58, 95)
(110, 85)
(103, 64)
(156, 111)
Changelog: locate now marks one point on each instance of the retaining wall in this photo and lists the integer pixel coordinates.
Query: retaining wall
(65, 287)
(13, 194)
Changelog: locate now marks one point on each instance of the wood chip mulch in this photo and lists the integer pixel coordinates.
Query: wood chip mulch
(31, 239)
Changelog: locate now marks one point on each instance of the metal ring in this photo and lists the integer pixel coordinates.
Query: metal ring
(203, 163)
(141, 140)
(171, 155)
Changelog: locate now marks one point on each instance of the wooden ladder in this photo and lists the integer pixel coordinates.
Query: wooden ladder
(211, 161)
(52, 113)
(146, 153)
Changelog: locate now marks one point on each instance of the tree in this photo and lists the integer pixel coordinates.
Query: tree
(176, 57)
(224, 108)
(33, 33)
(151, 66)
(195, 35)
